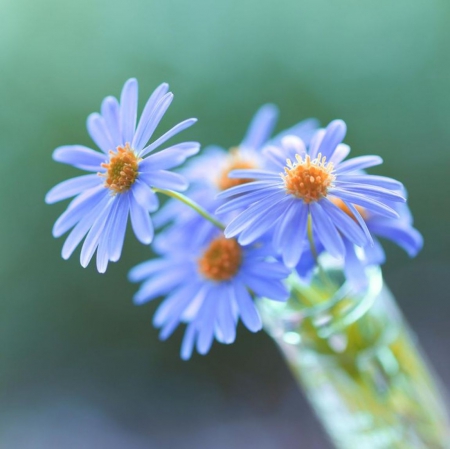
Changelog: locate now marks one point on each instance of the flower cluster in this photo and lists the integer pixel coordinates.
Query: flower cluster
(266, 208)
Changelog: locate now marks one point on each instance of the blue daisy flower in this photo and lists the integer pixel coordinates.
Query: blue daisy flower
(124, 174)
(300, 186)
(209, 288)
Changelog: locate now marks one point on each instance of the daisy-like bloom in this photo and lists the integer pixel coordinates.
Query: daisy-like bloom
(124, 174)
(399, 230)
(303, 186)
(209, 288)
(208, 173)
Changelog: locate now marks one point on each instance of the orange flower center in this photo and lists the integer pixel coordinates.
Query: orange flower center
(308, 179)
(122, 169)
(339, 203)
(221, 260)
(235, 162)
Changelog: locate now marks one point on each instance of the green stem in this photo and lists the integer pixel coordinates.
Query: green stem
(192, 204)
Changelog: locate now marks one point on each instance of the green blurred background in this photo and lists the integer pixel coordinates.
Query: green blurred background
(80, 366)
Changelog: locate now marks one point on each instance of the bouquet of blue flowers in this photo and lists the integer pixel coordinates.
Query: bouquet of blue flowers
(280, 232)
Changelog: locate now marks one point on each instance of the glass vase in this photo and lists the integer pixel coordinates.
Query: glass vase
(358, 362)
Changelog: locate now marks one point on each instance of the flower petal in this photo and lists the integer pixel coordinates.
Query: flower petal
(334, 135)
(163, 179)
(358, 163)
(144, 195)
(93, 236)
(128, 109)
(141, 223)
(110, 110)
(344, 223)
(99, 133)
(166, 136)
(247, 309)
(79, 207)
(79, 156)
(71, 187)
(153, 111)
(170, 157)
(326, 231)
(118, 228)
(261, 127)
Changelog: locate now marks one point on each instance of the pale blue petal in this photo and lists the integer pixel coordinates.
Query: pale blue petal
(79, 231)
(144, 132)
(316, 141)
(170, 157)
(358, 163)
(334, 135)
(165, 137)
(361, 221)
(110, 112)
(265, 288)
(247, 310)
(77, 209)
(380, 181)
(375, 254)
(206, 323)
(118, 228)
(148, 268)
(93, 236)
(144, 195)
(294, 234)
(163, 179)
(304, 129)
(98, 131)
(344, 223)
(225, 318)
(128, 110)
(364, 201)
(244, 188)
(141, 223)
(105, 238)
(373, 191)
(341, 152)
(178, 301)
(261, 127)
(270, 270)
(246, 200)
(80, 157)
(254, 213)
(326, 231)
(401, 234)
(187, 345)
(254, 174)
(72, 187)
(264, 223)
(354, 268)
(293, 146)
(158, 285)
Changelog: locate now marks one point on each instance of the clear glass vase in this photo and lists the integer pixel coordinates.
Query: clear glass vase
(358, 363)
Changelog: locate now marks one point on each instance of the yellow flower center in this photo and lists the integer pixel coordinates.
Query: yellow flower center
(308, 179)
(339, 203)
(221, 260)
(122, 169)
(235, 162)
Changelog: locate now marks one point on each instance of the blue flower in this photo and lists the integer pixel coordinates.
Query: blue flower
(208, 288)
(123, 175)
(300, 186)
(208, 173)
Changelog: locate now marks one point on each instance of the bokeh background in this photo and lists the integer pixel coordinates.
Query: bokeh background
(80, 366)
